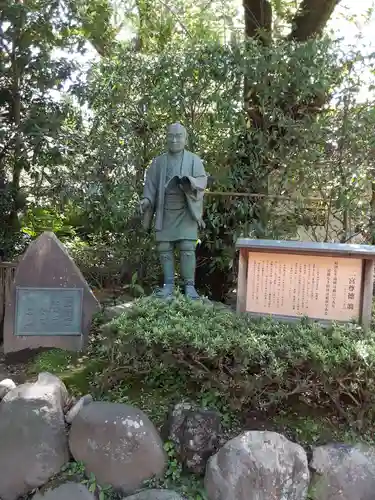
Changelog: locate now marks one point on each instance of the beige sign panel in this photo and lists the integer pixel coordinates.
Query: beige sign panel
(304, 285)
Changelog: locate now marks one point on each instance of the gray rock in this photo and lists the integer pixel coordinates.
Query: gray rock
(33, 439)
(67, 491)
(195, 433)
(113, 312)
(46, 378)
(117, 443)
(343, 472)
(155, 495)
(6, 386)
(258, 465)
(73, 412)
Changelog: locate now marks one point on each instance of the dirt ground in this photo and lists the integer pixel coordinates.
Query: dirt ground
(17, 372)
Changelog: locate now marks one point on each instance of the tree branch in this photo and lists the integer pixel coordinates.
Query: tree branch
(95, 20)
(311, 18)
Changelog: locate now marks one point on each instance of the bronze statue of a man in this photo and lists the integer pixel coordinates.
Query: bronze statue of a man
(173, 192)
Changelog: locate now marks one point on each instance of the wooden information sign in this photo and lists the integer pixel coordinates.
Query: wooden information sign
(292, 279)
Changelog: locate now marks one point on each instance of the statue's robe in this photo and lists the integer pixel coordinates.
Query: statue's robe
(176, 211)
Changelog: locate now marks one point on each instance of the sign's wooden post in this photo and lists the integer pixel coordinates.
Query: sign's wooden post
(368, 286)
(291, 279)
(242, 281)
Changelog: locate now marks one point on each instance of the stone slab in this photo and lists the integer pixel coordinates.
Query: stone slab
(285, 246)
(46, 264)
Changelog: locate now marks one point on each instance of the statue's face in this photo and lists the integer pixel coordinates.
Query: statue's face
(176, 138)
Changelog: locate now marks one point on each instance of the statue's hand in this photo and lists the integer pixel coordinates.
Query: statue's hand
(144, 205)
(201, 224)
(185, 184)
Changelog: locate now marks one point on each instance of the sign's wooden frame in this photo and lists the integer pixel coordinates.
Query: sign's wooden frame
(365, 252)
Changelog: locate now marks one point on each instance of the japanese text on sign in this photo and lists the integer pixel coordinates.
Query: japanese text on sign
(301, 285)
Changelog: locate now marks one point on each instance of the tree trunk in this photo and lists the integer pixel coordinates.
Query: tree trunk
(144, 29)
(16, 102)
(309, 21)
(258, 19)
(311, 18)
(17, 70)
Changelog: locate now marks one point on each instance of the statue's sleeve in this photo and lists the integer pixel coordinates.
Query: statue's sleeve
(150, 185)
(198, 180)
(198, 183)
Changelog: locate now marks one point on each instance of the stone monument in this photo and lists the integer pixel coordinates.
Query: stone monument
(50, 304)
(173, 193)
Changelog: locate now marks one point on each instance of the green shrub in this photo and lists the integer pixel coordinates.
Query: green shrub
(259, 363)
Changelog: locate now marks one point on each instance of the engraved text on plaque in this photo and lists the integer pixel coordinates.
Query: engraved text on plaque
(48, 311)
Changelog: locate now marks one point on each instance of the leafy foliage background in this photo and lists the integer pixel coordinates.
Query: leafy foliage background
(275, 115)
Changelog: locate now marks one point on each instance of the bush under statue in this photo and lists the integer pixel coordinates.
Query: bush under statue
(173, 192)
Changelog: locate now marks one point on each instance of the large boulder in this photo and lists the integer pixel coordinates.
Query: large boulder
(117, 443)
(343, 472)
(195, 433)
(155, 495)
(6, 385)
(258, 465)
(33, 438)
(67, 491)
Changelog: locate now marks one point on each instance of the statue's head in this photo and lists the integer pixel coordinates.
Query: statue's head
(176, 138)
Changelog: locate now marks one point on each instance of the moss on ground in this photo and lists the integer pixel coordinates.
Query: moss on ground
(111, 375)
(76, 371)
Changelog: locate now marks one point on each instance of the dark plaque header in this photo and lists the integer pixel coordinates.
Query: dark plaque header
(48, 311)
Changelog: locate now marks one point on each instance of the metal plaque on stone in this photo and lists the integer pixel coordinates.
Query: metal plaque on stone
(48, 311)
